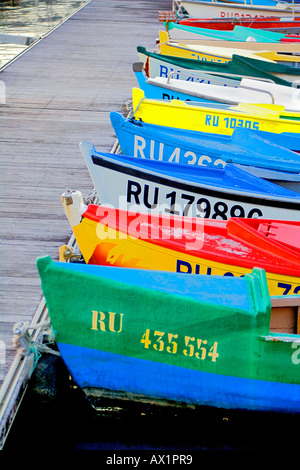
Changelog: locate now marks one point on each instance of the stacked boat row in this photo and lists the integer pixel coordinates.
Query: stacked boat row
(187, 289)
(237, 9)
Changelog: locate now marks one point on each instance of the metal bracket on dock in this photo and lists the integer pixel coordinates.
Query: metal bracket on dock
(66, 253)
(28, 340)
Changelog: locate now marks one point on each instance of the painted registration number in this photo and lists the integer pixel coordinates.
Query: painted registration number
(178, 203)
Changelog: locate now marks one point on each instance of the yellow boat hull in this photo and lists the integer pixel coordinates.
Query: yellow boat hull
(179, 114)
(218, 53)
(100, 244)
(200, 52)
(279, 57)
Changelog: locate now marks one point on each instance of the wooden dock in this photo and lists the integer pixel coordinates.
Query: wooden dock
(58, 93)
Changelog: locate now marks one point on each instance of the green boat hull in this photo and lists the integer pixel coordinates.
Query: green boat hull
(167, 336)
(239, 66)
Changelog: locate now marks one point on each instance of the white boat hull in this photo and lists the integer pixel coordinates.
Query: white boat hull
(124, 187)
(249, 91)
(229, 10)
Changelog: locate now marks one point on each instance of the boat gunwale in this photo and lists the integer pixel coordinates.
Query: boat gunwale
(90, 216)
(177, 183)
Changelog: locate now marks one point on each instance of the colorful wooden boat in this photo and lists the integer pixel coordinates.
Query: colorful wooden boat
(254, 154)
(199, 52)
(220, 9)
(215, 119)
(286, 72)
(159, 65)
(290, 47)
(292, 38)
(220, 54)
(283, 25)
(167, 88)
(156, 65)
(255, 2)
(271, 3)
(289, 59)
(247, 91)
(171, 338)
(285, 52)
(156, 187)
(110, 237)
(238, 33)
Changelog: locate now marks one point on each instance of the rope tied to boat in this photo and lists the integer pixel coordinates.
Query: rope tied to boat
(23, 340)
(133, 111)
(161, 44)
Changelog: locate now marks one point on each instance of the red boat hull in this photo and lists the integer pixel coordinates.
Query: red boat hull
(228, 24)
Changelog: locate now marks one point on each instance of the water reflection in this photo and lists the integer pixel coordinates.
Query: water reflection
(22, 22)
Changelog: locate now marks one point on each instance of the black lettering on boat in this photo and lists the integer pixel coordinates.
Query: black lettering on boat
(183, 267)
(146, 197)
(133, 190)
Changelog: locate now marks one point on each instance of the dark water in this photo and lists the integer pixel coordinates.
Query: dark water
(55, 415)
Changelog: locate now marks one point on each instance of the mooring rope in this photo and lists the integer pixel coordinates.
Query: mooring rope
(23, 340)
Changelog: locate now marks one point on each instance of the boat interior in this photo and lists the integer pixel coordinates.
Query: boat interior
(285, 314)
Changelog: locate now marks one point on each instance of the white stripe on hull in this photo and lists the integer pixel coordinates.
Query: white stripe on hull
(130, 192)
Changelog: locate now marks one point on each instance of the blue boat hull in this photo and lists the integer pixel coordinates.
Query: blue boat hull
(258, 156)
(161, 93)
(91, 369)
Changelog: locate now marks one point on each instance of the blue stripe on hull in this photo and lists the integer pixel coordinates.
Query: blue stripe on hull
(97, 369)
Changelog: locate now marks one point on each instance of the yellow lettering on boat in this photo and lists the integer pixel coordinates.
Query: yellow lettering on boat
(112, 322)
(170, 343)
(94, 320)
(107, 321)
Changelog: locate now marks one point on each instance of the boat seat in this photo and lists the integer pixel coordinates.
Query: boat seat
(289, 236)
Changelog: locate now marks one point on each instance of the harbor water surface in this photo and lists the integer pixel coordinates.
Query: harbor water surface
(55, 414)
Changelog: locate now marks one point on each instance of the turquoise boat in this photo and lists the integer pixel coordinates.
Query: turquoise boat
(171, 338)
(239, 33)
